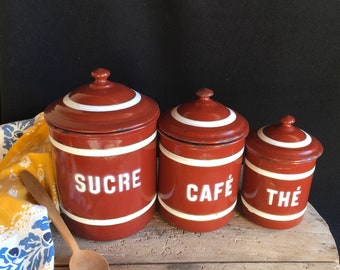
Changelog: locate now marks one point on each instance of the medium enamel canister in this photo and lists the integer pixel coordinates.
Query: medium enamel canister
(103, 138)
(279, 165)
(201, 150)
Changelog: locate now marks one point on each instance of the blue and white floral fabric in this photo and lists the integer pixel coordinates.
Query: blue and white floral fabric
(25, 236)
(11, 132)
(26, 241)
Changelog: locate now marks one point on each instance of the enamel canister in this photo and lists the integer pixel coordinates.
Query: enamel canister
(279, 166)
(201, 150)
(103, 138)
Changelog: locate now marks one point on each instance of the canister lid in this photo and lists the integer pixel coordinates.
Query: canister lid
(101, 107)
(203, 121)
(284, 141)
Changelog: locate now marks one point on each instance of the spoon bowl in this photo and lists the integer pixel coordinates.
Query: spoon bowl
(87, 260)
(80, 259)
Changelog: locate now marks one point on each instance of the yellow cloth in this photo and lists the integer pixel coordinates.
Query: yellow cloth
(25, 236)
(17, 218)
(32, 152)
(26, 243)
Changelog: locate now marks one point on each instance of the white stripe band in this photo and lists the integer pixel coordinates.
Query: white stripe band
(280, 176)
(271, 216)
(200, 162)
(105, 108)
(110, 222)
(197, 217)
(300, 144)
(205, 124)
(104, 152)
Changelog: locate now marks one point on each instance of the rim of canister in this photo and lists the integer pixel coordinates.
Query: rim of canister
(283, 142)
(203, 121)
(102, 106)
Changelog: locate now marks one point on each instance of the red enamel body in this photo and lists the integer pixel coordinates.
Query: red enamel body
(279, 165)
(201, 149)
(104, 143)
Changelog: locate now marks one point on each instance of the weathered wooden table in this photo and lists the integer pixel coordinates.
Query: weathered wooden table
(239, 245)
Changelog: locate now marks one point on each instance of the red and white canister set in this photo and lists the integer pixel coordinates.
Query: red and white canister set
(105, 143)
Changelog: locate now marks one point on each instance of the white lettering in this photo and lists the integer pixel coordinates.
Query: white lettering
(136, 179)
(108, 184)
(205, 194)
(109, 189)
(228, 186)
(284, 198)
(218, 190)
(80, 185)
(190, 189)
(295, 197)
(124, 182)
(211, 192)
(271, 192)
(94, 184)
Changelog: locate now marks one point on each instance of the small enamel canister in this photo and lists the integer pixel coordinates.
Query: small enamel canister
(279, 165)
(103, 137)
(201, 150)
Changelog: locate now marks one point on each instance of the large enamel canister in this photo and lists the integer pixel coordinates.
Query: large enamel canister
(201, 150)
(103, 136)
(279, 166)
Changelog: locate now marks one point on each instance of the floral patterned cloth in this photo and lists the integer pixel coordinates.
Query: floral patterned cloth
(25, 236)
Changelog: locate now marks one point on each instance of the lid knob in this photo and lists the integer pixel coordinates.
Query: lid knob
(205, 94)
(287, 120)
(100, 75)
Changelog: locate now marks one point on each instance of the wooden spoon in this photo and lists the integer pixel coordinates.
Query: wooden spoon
(80, 259)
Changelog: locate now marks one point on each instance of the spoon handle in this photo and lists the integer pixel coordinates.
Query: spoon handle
(40, 195)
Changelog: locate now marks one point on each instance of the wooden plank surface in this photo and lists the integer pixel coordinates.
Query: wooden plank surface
(239, 245)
